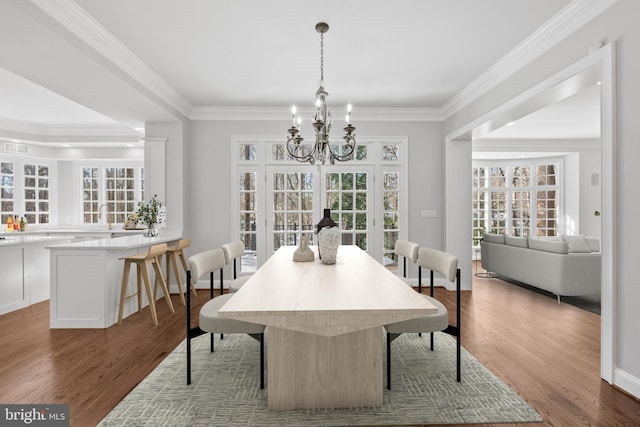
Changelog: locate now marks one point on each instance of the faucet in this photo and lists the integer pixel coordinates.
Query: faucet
(104, 205)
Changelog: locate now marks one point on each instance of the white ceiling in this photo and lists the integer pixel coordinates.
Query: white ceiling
(110, 66)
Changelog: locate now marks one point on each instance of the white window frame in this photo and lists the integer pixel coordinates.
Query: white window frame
(101, 165)
(18, 184)
(533, 188)
(264, 159)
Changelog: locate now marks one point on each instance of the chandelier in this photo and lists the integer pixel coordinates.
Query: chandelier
(321, 150)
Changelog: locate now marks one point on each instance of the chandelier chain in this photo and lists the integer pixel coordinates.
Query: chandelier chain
(322, 57)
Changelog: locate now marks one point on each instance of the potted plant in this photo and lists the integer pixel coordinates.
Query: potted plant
(148, 214)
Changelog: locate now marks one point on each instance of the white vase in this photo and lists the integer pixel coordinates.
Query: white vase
(328, 242)
(152, 231)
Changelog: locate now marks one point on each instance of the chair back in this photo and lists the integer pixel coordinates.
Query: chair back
(156, 250)
(407, 249)
(438, 261)
(205, 262)
(233, 250)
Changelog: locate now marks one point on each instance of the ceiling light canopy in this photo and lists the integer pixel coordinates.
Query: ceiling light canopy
(321, 150)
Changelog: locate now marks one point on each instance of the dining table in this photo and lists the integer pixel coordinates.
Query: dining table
(325, 323)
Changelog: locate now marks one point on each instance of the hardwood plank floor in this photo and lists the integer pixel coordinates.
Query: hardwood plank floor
(548, 353)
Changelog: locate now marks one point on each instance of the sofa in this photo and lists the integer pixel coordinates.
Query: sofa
(564, 266)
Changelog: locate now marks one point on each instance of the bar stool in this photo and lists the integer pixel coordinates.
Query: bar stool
(173, 253)
(142, 262)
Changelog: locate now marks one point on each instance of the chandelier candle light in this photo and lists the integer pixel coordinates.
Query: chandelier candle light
(321, 150)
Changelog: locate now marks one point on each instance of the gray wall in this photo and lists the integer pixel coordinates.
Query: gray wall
(210, 183)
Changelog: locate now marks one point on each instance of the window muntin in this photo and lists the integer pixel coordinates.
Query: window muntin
(248, 219)
(507, 197)
(36, 193)
(7, 190)
(391, 215)
(293, 207)
(347, 197)
(360, 225)
(110, 193)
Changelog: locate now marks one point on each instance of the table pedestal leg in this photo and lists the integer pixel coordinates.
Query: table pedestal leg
(314, 371)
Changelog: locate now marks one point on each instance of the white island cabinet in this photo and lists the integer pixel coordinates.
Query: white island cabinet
(86, 278)
(24, 269)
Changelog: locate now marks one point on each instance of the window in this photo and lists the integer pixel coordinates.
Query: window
(36, 193)
(507, 197)
(294, 194)
(7, 190)
(110, 190)
(391, 215)
(25, 189)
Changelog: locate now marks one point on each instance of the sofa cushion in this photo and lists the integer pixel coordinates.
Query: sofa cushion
(577, 244)
(516, 241)
(493, 238)
(555, 246)
(593, 243)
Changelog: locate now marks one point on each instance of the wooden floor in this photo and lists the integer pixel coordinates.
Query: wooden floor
(548, 353)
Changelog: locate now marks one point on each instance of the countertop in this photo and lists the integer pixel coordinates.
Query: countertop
(118, 243)
(17, 239)
(71, 231)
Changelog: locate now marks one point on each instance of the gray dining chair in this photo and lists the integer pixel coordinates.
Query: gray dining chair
(234, 251)
(209, 319)
(447, 265)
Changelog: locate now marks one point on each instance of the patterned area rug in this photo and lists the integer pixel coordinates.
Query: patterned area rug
(225, 391)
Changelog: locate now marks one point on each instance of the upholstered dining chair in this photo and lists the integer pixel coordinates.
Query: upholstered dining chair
(408, 251)
(209, 320)
(233, 251)
(447, 265)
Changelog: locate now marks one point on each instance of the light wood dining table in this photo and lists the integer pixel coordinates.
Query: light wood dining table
(324, 326)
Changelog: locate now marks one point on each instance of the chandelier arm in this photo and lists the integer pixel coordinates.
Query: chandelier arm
(309, 157)
(349, 154)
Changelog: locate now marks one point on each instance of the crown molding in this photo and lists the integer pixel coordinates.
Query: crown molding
(283, 113)
(569, 19)
(67, 133)
(76, 20)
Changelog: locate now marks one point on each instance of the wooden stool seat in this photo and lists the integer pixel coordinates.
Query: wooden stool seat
(173, 254)
(142, 261)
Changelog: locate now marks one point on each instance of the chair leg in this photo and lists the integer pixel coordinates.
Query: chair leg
(431, 295)
(262, 361)
(388, 361)
(173, 261)
(125, 281)
(221, 291)
(163, 284)
(459, 335)
(147, 285)
(139, 277)
(186, 268)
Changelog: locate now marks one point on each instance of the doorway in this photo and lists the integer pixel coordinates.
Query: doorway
(459, 144)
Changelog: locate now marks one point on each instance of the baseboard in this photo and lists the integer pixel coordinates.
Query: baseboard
(626, 382)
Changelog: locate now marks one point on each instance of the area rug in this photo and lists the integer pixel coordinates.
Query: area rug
(225, 391)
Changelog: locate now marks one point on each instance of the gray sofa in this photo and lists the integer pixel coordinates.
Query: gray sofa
(566, 266)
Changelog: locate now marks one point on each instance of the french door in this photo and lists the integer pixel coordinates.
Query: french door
(296, 196)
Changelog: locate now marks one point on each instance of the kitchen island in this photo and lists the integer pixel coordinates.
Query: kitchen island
(86, 278)
(24, 269)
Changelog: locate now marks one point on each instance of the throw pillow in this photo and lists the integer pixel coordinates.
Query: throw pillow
(577, 244)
